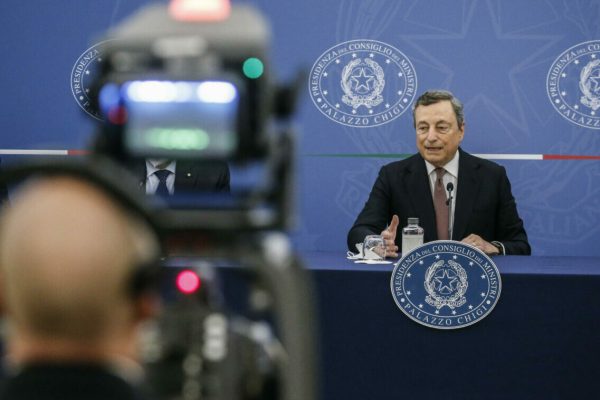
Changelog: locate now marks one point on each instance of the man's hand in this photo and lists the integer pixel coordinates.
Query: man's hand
(389, 235)
(477, 241)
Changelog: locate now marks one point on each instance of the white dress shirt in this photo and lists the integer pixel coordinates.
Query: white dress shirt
(152, 180)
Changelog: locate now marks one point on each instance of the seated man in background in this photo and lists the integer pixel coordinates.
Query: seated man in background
(167, 177)
(484, 211)
(68, 257)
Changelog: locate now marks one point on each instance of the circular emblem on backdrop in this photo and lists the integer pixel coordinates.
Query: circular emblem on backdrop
(362, 83)
(573, 84)
(446, 285)
(85, 70)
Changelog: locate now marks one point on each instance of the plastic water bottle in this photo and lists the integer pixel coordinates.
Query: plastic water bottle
(412, 236)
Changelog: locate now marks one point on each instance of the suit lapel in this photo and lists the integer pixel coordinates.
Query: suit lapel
(184, 176)
(139, 171)
(419, 191)
(468, 188)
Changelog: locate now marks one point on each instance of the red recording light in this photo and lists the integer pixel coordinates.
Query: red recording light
(188, 282)
(117, 115)
(199, 10)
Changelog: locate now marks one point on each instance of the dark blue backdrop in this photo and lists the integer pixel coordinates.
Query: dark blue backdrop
(495, 55)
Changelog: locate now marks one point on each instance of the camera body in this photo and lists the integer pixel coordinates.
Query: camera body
(186, 89)
(200, 89)
(197, 86)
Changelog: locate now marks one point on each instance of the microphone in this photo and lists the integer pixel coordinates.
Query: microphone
(449, 188)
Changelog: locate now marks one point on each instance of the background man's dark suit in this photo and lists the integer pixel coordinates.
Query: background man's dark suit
(206, 176)
(484, 203)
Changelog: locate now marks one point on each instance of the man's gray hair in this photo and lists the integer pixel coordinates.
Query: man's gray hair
(435, 96)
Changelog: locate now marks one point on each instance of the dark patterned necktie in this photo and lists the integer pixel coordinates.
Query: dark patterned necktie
(162, 189)
(439, 203)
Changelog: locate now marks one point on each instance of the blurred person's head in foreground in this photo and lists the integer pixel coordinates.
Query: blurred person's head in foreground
(68, 255)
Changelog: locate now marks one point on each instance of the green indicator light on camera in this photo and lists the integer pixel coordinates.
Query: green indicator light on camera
(253, 68)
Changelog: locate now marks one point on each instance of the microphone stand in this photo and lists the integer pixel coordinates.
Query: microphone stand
(449, 188)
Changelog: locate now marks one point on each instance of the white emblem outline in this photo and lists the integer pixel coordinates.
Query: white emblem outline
(556, 94)
(77, 96)
(406, 74)
(410, 303)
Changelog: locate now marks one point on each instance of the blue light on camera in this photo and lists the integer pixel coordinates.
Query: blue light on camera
(109, 98)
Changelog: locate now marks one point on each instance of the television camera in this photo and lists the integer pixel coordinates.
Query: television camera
(191, 80)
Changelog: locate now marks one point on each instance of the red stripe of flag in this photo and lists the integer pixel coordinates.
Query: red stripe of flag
(78, 152)
(568, 157)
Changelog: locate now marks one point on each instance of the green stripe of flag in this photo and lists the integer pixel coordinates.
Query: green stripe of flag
(360, 155)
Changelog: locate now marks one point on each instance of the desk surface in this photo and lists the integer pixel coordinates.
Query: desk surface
(506, 264)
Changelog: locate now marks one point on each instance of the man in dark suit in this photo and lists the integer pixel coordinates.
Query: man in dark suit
(183, 176)
(485, 213)
(68, 261)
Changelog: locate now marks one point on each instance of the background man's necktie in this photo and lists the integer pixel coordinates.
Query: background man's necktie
(439, 203)
(162, 175)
